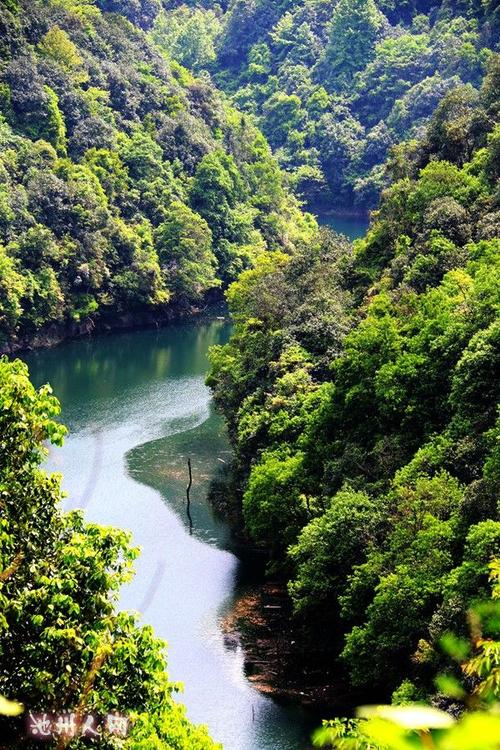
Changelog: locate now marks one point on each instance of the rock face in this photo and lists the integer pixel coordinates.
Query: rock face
(56, 333)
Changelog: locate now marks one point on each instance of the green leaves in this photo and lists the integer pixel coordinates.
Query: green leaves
(457, 648)
(184, 246)
(373, 454)
(450, 686)
(10, 708)
(63, 643)
(355, 27)
(95, 161)
(328, 548)
(409, 717)
(410, 728)
(274, 507)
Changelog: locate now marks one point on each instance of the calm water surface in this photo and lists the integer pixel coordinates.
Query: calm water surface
(137, 407)
(353, 227)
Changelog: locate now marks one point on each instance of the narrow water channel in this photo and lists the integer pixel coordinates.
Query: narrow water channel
(352, 226)
(137, 408)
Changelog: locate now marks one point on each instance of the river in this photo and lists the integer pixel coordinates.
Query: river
(137, 407)
(352, 226)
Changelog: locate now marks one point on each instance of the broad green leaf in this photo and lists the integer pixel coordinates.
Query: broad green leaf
(414, 716)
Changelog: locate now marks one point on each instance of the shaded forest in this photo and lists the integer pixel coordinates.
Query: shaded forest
(335, 85)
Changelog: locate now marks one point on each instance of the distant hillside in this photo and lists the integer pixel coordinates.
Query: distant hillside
(334, 84)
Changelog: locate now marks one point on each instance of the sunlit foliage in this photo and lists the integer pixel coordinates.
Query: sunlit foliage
(104, 144)
(361, 389)
(63, 643)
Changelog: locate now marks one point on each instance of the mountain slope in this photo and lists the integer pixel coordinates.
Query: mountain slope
(334, 84)
(361, 390)
(127, 187)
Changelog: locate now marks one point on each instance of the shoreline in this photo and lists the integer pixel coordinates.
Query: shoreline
(260, 620)
(338, 213)
(58, 333)
(277, 661)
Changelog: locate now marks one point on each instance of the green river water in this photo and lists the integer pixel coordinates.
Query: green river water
(137, 407)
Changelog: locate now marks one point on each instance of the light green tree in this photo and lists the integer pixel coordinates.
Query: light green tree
(184, 245)
(355, 28)
(63, 642)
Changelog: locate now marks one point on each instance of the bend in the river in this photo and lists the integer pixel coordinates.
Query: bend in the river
(137, 407)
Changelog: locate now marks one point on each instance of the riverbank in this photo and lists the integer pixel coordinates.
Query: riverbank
(348, 221)
(320, 210)
(137, 407)
(277, 660)
(58, 333)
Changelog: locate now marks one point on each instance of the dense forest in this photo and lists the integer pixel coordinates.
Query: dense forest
(127, 186)
(361, 393)
(155, 155)
(335, 84)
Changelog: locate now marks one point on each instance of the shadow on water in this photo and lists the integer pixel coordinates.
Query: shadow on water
(210, 666)
(162, 465)
(137, 408)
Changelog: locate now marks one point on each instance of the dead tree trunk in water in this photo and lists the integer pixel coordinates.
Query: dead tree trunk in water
(188, 490)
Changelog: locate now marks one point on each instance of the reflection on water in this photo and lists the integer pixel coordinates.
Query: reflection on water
(137, 408)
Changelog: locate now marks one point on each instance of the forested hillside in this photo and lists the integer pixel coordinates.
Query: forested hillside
(361, 389)
(335, 83)
(361, 384)
(127, 186)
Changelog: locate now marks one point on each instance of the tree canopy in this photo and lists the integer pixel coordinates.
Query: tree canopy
(102, 142)
(361, 391)
(334, 84)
